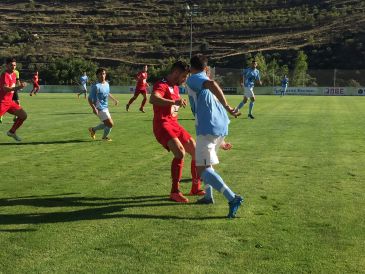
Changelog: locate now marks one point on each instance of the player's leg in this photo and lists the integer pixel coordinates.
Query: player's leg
(144, 94)
(21, 117)
(189, 147)
(206, 157)
(177, 164)
(134, 97)
(242, 103)
(109, 123)
(250, 108)
(36, 90)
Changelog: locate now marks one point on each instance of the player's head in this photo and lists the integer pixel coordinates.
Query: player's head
(179, 72)
(10, 64)
(145, 68)
(199, 62)
(254, 64)
(101, 74)
(84, 73)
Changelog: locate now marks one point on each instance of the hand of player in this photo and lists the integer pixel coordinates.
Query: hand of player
(22, 85)
(181, 102)
(95, 111)
(116, 102)
(226, 146)
(232, 111)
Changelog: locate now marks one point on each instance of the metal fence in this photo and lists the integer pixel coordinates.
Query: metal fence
(230, 78)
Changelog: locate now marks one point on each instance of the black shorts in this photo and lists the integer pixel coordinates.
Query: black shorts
(15, 96)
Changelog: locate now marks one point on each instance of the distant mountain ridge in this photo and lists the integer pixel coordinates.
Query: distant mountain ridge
(120, 32)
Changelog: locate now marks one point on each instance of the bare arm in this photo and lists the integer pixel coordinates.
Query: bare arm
(157, 99)
(15, 88)
(116, 102)
(92, 105)
(218, 92)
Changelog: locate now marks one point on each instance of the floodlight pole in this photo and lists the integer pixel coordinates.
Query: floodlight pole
(191, 28)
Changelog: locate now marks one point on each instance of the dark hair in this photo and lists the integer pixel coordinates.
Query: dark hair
(180, 66)
(199, 61)
(100, 70)
(10, 60)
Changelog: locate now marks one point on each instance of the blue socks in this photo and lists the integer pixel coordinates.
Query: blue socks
(107, 130)
(250, 108)
(98, 127)
(240, 105)
(210, 177)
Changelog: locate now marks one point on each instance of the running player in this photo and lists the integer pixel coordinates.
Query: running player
(83, 83)
(284, 85)
(35, 84)
(211, 123)
(169, 133)
(141, 88)
(8, 86)
(249, 77)
(98, 100)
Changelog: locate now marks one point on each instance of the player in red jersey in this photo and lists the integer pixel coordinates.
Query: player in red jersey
(35, 84)
(169, 133)
(141, 88)
(7, 88)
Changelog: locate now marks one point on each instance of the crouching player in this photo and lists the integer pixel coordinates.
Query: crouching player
(211, 127)
(8, 86)
(98, 100)
(169, 133)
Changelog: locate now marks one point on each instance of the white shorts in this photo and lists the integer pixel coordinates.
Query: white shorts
(248, 92)
(104, 114)
(206, 149)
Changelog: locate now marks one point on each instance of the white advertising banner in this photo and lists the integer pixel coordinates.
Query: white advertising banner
(298, 90)
(335, 91)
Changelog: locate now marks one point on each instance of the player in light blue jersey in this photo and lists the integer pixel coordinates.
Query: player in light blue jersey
(211, 122)
(284, 85)
(249, 77)
(83, 82)
(98, 100)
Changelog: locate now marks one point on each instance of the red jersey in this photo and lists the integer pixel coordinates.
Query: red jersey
(165, 113)
(9, 80)
(141, 80)
(35, 79)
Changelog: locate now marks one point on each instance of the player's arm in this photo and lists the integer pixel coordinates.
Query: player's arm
(15, 88)
(116, 102)
(218, 92)
(91, 99)
(157, 99)
(259, 79)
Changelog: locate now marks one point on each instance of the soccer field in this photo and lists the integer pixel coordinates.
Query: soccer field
(73, 205)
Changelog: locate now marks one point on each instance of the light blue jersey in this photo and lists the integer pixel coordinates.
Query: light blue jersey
(250, 76)
(210, 116)
(99, 95)
(285, 82)
(83, 80)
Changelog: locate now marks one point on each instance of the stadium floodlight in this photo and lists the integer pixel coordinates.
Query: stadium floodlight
(191, 11)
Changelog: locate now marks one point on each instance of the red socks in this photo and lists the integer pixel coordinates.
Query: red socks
(176, 173)
(195, 187)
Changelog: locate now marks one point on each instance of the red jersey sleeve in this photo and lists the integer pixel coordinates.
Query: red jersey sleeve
(160, 88)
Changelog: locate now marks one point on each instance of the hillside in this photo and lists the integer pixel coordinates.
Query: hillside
(123, 32)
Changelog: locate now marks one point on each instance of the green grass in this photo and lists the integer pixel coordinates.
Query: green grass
(73, 205)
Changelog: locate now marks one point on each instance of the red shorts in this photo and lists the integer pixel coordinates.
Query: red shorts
(140, 91)
(167, 130)
(10, 107)
(35, 86)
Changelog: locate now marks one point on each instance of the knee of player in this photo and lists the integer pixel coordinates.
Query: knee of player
(180, 154)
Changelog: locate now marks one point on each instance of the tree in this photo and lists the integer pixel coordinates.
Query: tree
(300, 70)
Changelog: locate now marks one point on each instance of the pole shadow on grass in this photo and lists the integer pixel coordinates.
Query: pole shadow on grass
(93, 208)
(46, 142)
